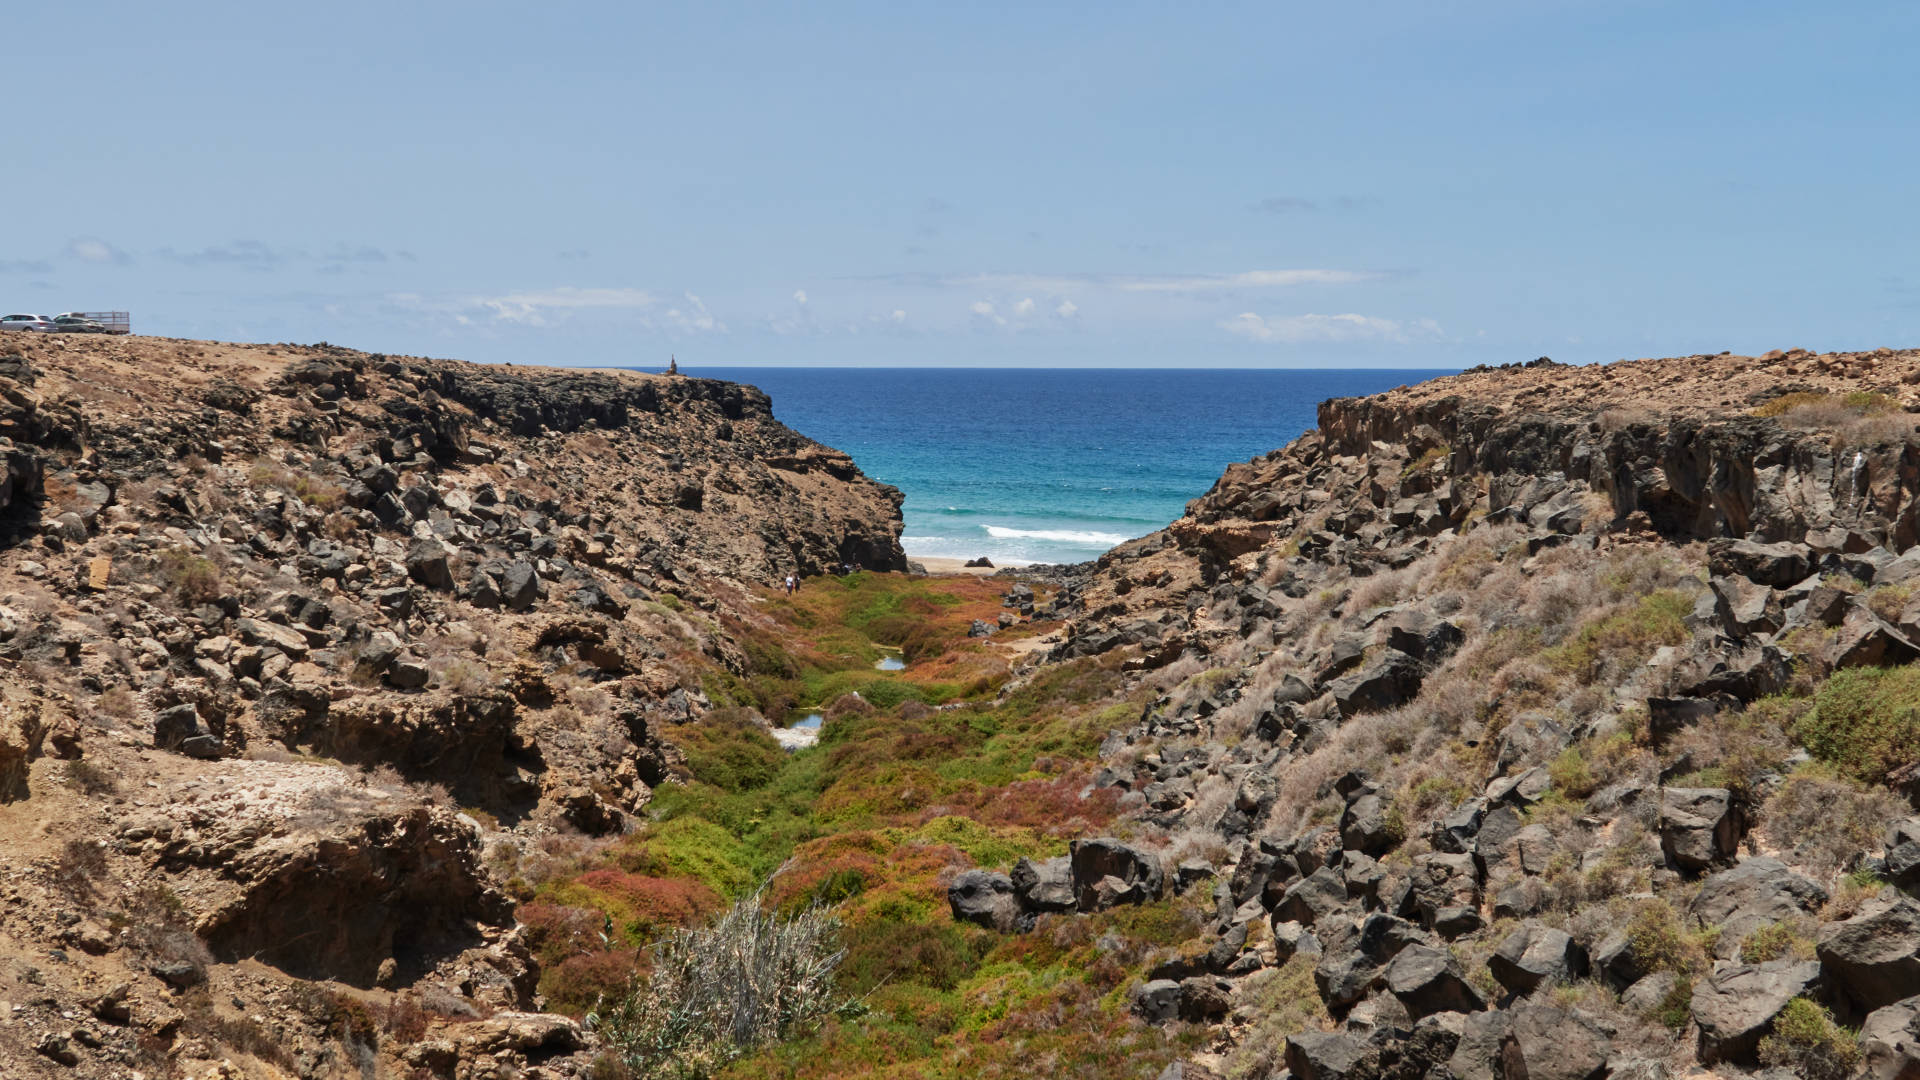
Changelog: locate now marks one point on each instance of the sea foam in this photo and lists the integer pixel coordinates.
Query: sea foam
(1058, 536)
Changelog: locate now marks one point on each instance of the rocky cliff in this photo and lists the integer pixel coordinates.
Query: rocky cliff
(1538, 721)
(298, 643)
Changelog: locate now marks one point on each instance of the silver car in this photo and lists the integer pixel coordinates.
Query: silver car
(39, 323)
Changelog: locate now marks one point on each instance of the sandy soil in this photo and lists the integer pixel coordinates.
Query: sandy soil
(937, 565)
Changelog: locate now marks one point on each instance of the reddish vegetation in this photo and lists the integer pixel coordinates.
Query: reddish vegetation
(1053, 807)
(652, 903)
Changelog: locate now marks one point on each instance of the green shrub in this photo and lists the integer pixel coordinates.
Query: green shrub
(730, 750)
(1806, 1040)
(1775, 940)
(1570, 774)
(1624, 638)
(1660, 943)
(1676, 1008)
(939, 955)
(1786, 403)
(1866, 721)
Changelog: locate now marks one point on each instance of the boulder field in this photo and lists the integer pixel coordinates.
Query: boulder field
(1547, 715)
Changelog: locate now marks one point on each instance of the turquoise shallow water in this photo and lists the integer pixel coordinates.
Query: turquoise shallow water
(1057, 465)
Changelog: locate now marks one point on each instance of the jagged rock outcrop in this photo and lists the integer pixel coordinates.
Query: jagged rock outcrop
(1395, 685)
(305, 648)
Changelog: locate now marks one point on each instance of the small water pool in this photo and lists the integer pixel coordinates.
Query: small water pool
(890, 663)
(808, 720)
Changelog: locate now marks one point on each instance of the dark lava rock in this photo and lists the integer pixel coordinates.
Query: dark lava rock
(1536, 955)
(1873, 959)
(1429, 980)
(1698, 827)
(984, 898)
(1735, 1005)
(1107, 872)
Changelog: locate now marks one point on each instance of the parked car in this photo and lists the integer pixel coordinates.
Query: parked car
(72, 322)
(28, 322)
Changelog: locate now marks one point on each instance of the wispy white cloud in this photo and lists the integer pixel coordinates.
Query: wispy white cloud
(255, 255)
(1067, 309)
(983, 312)
(95, 250)
(1024, 307)
(250, 254)
(1057, 284)
(1298, 329)
(536, 307)
(691, 317)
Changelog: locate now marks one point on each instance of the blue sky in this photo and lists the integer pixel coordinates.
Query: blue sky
(1210, 185)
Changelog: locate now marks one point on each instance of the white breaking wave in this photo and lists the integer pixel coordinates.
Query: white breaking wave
(1058, 536)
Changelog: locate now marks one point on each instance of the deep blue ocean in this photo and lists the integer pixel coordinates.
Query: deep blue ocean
(1056, 465)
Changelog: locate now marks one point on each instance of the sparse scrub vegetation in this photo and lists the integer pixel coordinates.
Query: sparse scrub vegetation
(312, 490)
(1806, 1040)
(1776, 940)
(1856, 418)
(191, 579)
(713, 994)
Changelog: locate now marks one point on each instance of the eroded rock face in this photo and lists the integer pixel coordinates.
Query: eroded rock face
(23, 732)
(322, 879)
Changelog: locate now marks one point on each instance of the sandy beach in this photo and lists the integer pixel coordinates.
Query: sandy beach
(937, 565)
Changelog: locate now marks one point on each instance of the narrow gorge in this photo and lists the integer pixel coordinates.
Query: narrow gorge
(368, 716)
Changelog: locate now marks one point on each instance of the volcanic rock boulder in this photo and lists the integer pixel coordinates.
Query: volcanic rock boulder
(1873, 959)
(1107, 872)
(1428, 980)
(1045, 885)
(1890, 1041)
(1392, 680)
(1758, 892)
(1736, 1004)
(984, 898)
(1698, 827)
(1543, 1042)
(427, 564)
(1325, 1055)
(1355, 958)
(1312, 898)
(1536, 955)
(1903, 854)
(1776, 565)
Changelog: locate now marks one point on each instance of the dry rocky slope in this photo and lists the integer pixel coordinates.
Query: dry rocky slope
(1483, 708)
(284, 631)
